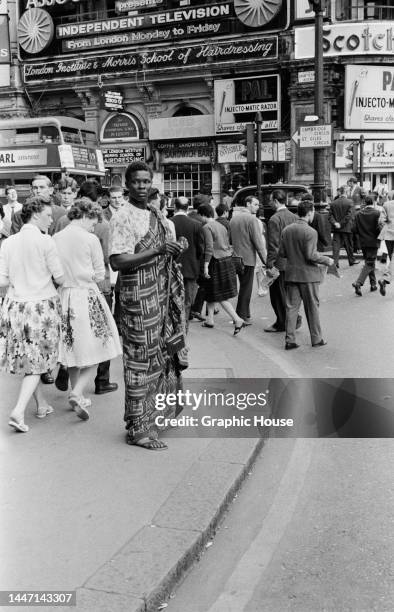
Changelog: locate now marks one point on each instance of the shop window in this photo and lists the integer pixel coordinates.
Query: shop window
(188, 179)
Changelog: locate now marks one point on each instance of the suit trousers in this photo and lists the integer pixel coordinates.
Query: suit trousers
(102, 377)
(369, 254)
(191, 288)
(308, 293)
(278, 301)
(342, 239)
(245, 292)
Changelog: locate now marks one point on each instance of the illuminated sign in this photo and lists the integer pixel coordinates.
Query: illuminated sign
(377, 154)
(369, 97)
(191, 30)
(46, 3)
(370, 38)
(122, 157)
(238, 100)
(168, 57)
(147, 20)
(122, 6)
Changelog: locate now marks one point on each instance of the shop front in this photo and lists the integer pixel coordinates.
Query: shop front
(235, 172)
(369, 116)
(184, 153)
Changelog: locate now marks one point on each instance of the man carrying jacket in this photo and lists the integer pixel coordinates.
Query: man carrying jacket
(247, 240)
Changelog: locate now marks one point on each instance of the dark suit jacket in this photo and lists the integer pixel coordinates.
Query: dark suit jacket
(276, 225)
(57, 213)
(341, 211)
(367, 226)
(319, 224)
(192, 231)
(299, 247)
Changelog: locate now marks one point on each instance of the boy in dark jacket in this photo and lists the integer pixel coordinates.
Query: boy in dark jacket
(367, 228)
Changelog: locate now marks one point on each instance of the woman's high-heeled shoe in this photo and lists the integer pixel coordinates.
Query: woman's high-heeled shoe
(238, 328)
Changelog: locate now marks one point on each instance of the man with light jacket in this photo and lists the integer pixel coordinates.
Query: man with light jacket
(247, 240)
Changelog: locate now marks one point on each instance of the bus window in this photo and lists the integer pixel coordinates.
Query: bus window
(50, 133)
(71, 135)
(7, 138)
(27, 136)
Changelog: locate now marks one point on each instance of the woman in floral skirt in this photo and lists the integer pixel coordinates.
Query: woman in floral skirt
(30, 314)
(88, 333)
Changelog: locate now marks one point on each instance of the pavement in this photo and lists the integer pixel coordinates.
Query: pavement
(81, 510)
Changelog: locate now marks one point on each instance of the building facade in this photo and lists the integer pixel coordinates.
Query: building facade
(174, 82)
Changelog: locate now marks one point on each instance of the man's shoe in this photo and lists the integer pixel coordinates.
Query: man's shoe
(291, 345)
(47, 378)
(299, 322)
(357, 289)
(61, 381)
(321, 343)
(273, 329)
(353, 263)
(382, 287)
(374, 287)
(105, 388)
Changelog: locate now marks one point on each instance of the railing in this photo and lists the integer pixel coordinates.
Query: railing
(361, 10)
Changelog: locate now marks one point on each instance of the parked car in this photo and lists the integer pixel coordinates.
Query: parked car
(266, 210)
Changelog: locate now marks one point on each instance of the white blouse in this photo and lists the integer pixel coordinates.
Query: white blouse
(28, 261)
(81, 256)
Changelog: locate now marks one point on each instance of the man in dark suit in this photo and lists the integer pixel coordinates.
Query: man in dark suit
(279, 220)
(368, 229)
(302, 275)
(191, 257)
(341, 216)
(319, 223)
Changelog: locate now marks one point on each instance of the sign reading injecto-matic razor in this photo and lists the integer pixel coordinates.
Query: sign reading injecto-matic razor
(238, 100)
(369, 97)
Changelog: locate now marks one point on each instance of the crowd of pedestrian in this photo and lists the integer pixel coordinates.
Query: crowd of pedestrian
(79, 270)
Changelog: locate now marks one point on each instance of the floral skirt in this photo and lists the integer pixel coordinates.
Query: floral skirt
(88, 332)
(29, 335)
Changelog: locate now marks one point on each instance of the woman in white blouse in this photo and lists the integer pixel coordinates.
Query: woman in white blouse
(89, 334)
(30, 314)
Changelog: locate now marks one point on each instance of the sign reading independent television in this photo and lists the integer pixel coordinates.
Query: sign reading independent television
(193, 55)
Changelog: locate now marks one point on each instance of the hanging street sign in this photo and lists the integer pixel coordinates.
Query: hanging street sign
(313, 136)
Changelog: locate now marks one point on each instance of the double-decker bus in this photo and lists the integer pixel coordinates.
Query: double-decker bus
(54, 146)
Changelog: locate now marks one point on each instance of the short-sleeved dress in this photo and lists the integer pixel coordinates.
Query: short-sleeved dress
(88, 332)
(30, 313)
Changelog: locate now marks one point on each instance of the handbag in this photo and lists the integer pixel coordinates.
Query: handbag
(176, 342)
